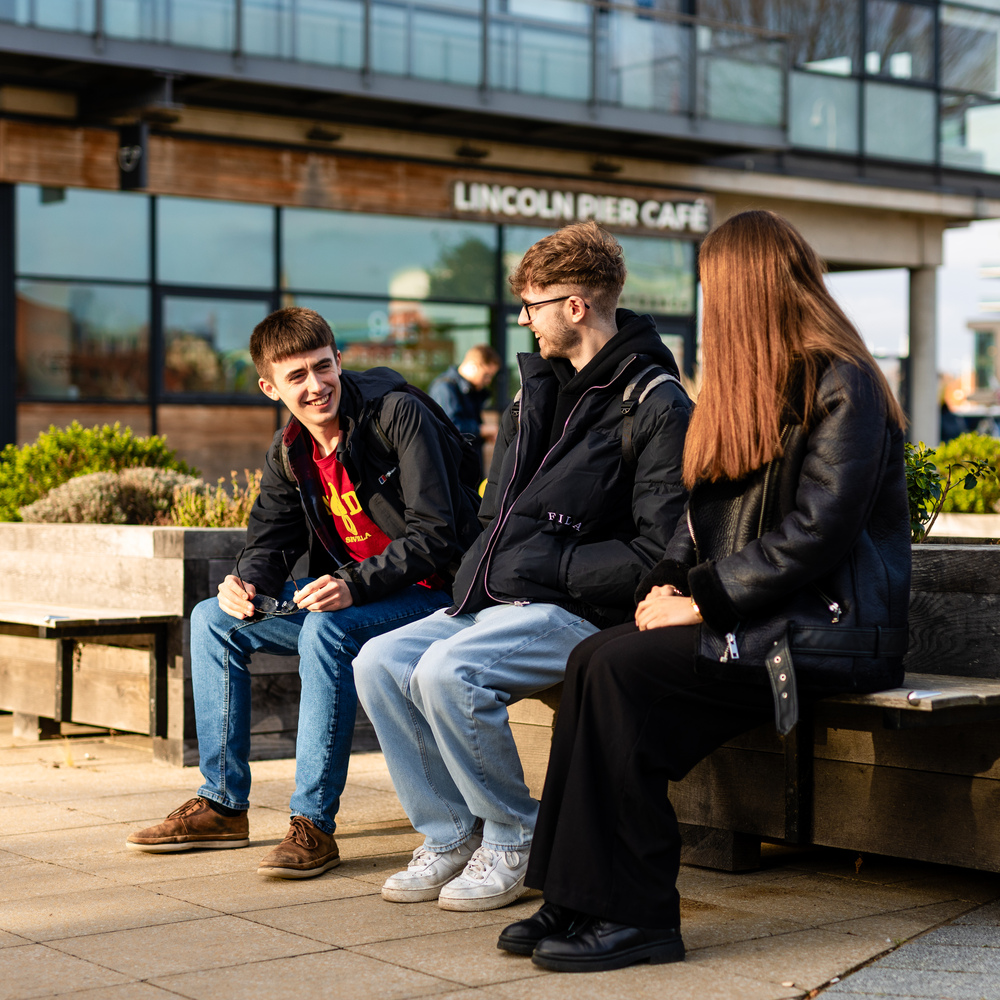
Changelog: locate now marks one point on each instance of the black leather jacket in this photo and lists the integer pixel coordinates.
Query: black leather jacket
(568, 521)
(415, 496)
(818, 540)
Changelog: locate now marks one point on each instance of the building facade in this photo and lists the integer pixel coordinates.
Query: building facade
(172, 170)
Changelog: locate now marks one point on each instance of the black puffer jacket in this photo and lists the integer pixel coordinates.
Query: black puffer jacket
(421, 504)
(818, 540)
(569, 521)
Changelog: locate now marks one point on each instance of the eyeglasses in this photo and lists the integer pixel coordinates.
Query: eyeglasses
(528, 306)
(270, 605)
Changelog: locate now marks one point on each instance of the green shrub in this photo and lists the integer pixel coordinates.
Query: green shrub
(58, 455)
(198, 505)
(132, 496)
(984, 496)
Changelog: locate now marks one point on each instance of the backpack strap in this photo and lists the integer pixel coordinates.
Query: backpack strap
(644, 383)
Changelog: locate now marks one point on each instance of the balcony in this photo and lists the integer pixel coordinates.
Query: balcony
(573, 63)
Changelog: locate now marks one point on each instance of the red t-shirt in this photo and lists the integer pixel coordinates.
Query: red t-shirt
(361, 536)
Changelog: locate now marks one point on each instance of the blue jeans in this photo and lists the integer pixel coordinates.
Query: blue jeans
(326, 642)
(437, 693)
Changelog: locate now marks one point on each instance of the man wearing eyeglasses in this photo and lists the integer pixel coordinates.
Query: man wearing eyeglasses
(364, 479)
(574, 517)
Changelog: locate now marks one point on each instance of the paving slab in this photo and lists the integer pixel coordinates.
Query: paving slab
(209, 943)
(883, 982)
(129, 991)
(332, 975)
(35, 970)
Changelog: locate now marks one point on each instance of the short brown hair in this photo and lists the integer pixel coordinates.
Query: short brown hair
(484, 356)
(294, 330)
(582, 255)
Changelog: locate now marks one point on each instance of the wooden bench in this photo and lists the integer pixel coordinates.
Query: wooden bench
(104, 667)
(912, 772)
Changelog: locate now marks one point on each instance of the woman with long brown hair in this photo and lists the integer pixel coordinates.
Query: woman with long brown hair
(788, 579)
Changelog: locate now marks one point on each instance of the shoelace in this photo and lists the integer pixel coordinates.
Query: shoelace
(422, 857)
(189, 807)
(299, 834)
(482, 861)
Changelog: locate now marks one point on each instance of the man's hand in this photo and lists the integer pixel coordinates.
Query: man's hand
(664, 606)
(325, 593)
(235, 600)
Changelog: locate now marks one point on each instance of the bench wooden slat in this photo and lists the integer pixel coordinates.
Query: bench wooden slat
(931, 693)
(65, 618)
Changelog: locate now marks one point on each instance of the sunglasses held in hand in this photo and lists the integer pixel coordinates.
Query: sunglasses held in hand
(270, 605)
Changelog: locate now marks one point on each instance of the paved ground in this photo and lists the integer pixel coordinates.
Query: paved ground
(82, 917)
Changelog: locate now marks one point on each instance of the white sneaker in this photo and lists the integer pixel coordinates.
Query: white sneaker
(490, 880)
(428, 872)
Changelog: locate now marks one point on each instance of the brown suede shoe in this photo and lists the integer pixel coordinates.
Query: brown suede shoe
(306, 851)
(195, 824)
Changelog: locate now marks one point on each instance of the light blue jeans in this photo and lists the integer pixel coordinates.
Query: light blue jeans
(326, 642)
(437, 693)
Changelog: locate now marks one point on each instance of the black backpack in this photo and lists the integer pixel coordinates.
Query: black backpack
(465, 446)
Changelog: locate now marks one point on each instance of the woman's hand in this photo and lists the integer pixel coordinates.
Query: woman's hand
(664, 606)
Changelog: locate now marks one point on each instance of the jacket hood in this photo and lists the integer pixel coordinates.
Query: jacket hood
(636, 335)
(360, 387)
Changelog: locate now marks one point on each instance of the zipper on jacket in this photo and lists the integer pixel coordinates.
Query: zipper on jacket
(732, 651)
(487, 554)
(832, 606)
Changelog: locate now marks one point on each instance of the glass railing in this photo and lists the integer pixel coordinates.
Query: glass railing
(577, 50)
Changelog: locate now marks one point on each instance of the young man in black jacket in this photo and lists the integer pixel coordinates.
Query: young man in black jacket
(383, 531)
(574, 518)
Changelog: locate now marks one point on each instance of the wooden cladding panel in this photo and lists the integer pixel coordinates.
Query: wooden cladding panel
(111, 687)
(87, 157)
(28, 672)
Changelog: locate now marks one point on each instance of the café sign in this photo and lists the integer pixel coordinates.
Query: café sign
(671, 215)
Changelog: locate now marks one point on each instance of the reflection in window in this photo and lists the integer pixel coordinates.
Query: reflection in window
(206, 344)
(202, 24)
(970, 133)
(823, 112)
(77, 341)
(969, 42)
(61, 15)
(387, 255)
(541, 47)
(201, 242)
(67, 232)
(418, 339)
(648, 63)
(409, 40)
(900, 40)
(315, 31)
(899, 122)
(826, 37)
(741, 77)
(660, 275)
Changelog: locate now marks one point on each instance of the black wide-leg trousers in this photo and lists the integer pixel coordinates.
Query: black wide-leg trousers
(633, 717)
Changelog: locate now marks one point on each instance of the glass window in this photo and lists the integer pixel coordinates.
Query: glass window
(67, 232)
(970, 133)
(418, 339)
(316, 31)
(900, 40)
(541, 47)
(823, 112)
(741, 77)
(61, 15)
(826, 37)
(969, 42)
(660, 275)
(899, 122)
(387, 255)
(201, 242)
(206, 344)
(648, 63)
(76, 341)
(430, 44)
(202, 24)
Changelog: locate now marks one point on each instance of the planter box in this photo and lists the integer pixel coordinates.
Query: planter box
(149, 570)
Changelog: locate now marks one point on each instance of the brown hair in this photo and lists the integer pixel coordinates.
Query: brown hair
(583, 256)
(484, 356)
(294, 330)
(767, 318)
